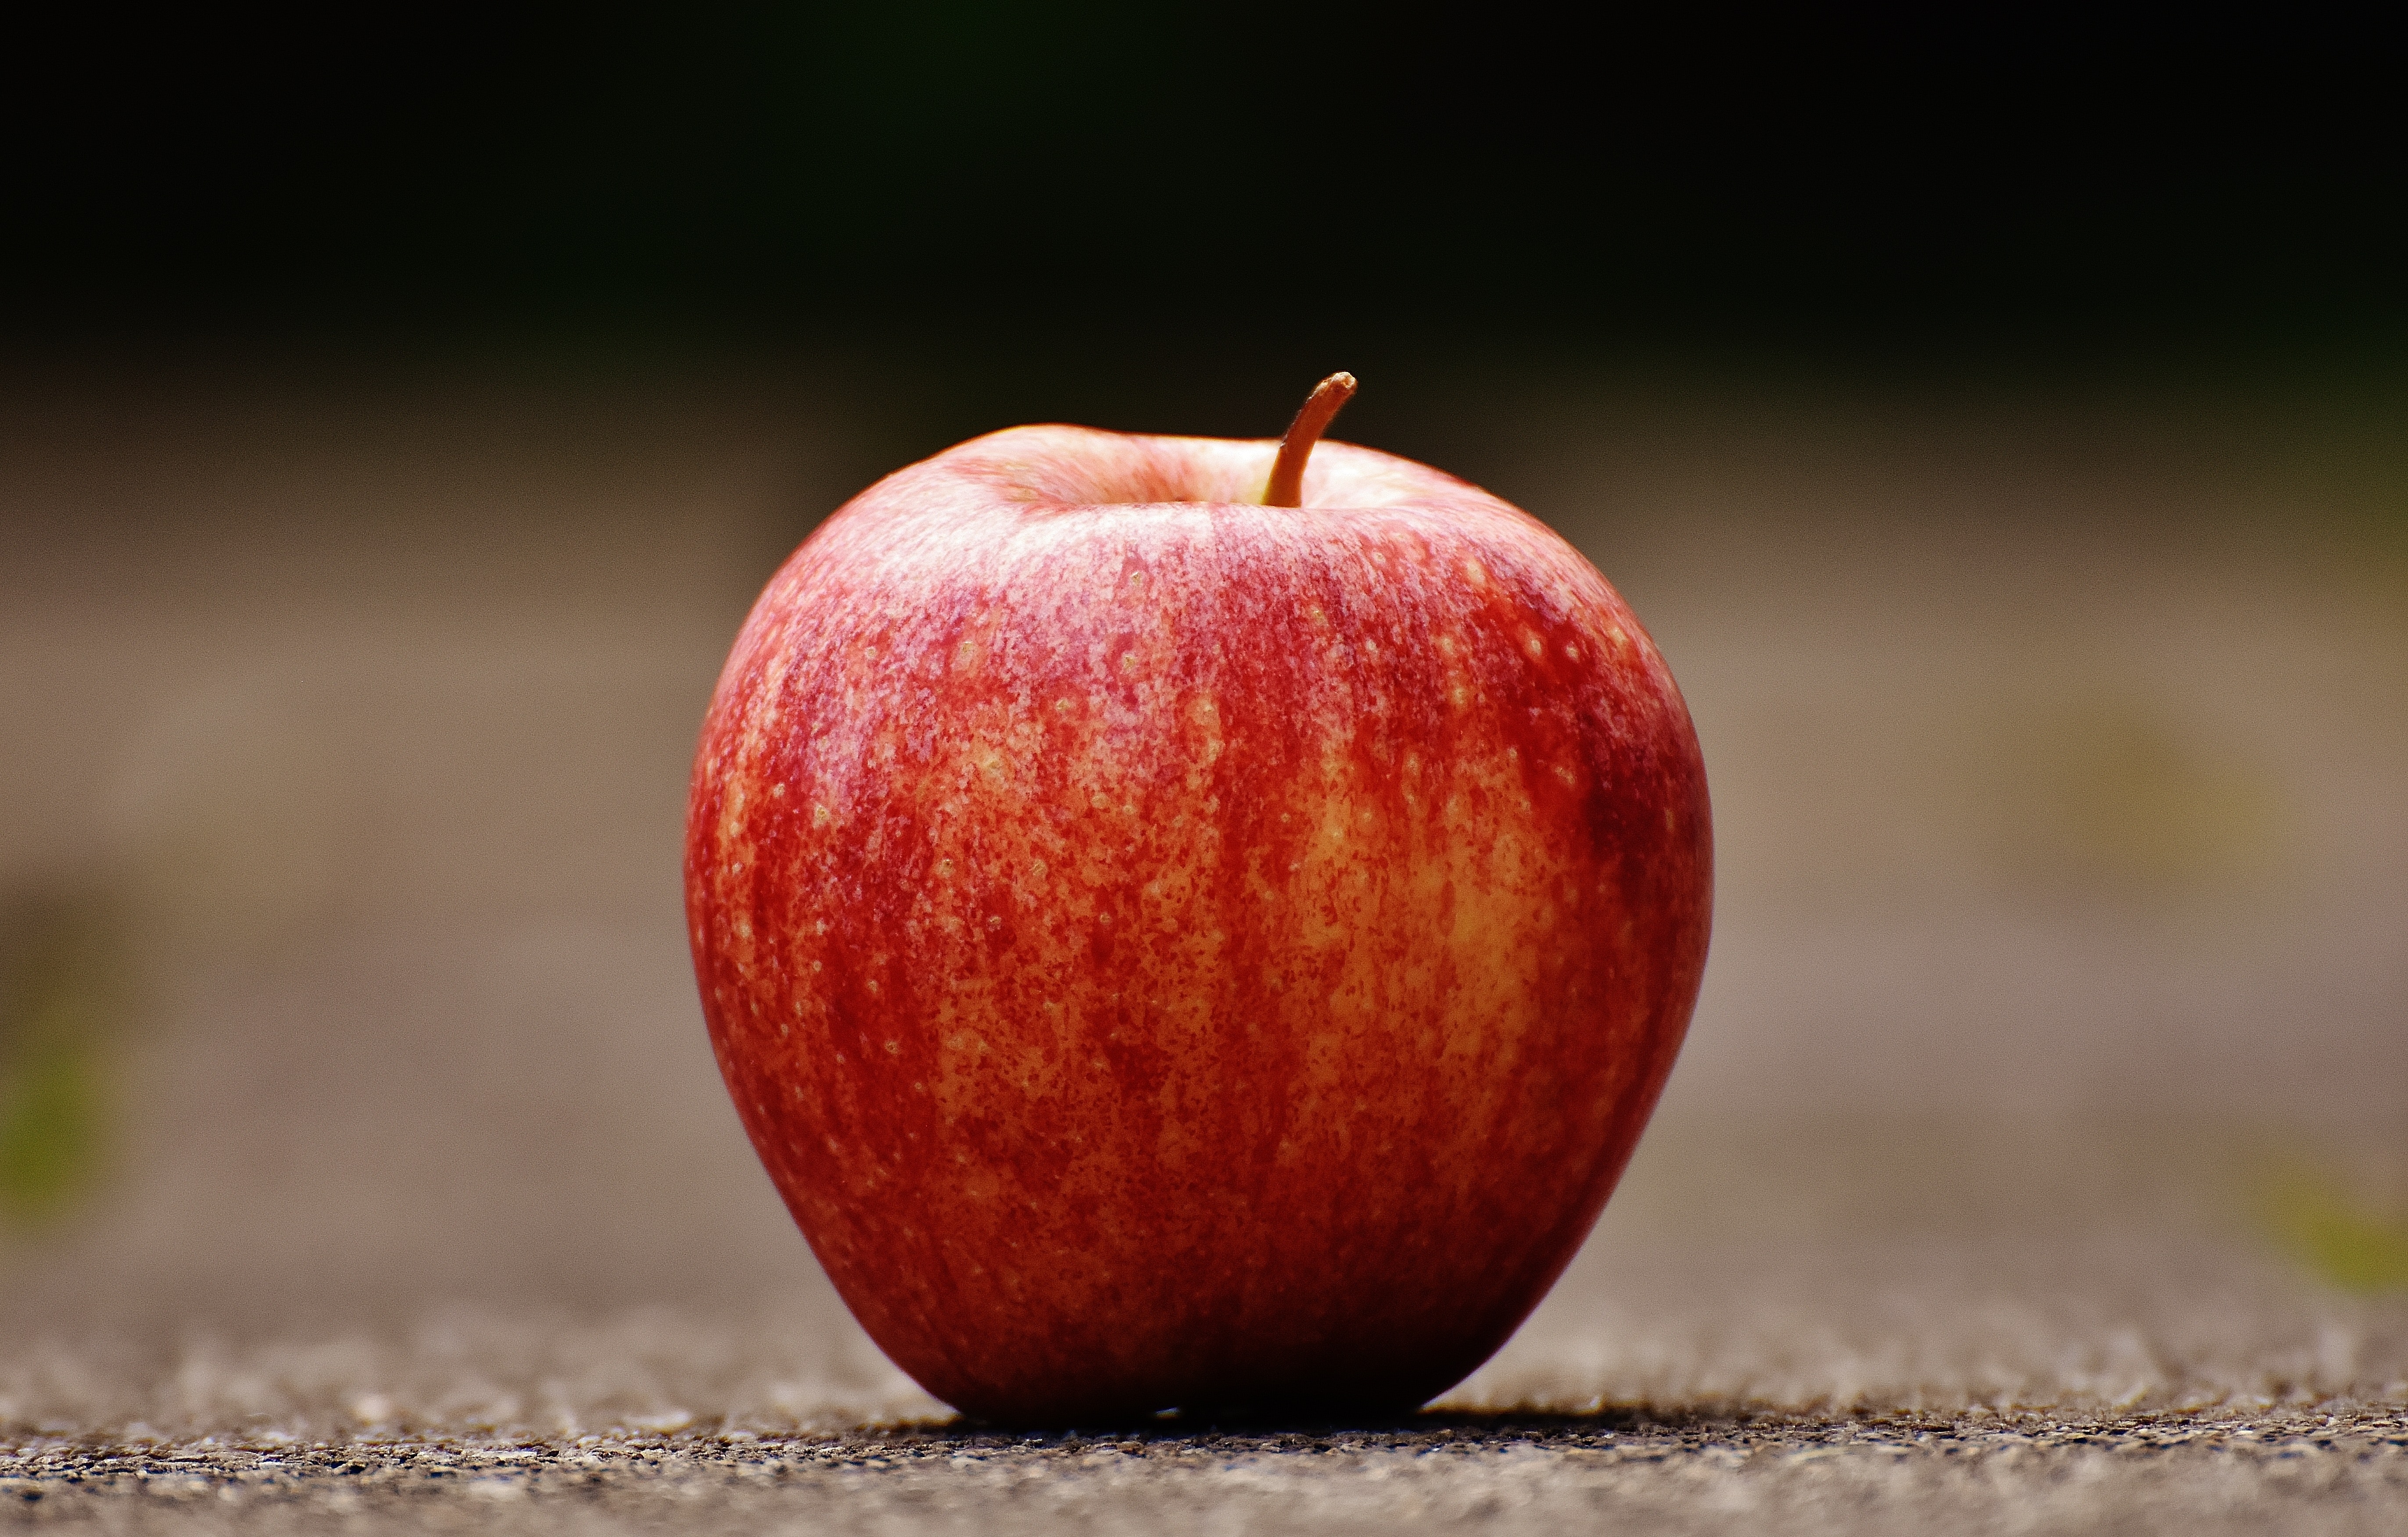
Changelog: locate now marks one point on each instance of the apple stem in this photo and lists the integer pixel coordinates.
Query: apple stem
(1286, 489)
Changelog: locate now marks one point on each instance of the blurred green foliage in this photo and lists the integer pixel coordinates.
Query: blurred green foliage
(2347, 1240)
(60, 998)
(50, 1130)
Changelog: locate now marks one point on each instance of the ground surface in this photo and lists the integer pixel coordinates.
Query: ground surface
(2308, 1474)
(2036, 1163)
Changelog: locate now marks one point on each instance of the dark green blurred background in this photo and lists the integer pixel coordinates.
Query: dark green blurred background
(947, 217)
(1143, 204)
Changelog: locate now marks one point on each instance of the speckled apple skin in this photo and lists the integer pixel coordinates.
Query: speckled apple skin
(1171, 951)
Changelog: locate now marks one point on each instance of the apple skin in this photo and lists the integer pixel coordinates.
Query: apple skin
(1176, 952)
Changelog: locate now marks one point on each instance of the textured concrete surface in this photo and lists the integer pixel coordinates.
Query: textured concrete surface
(2315, 1474)
(2036, 1163)
(2135, 1379)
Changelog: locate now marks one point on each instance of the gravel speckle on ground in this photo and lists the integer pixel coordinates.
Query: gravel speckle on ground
(2342, 1472)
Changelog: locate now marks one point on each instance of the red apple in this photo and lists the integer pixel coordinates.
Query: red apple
(1174, 950)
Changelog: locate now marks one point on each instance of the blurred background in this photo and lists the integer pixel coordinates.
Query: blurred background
(2003, 436)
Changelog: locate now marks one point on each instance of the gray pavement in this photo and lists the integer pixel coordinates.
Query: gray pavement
(2335, 1473)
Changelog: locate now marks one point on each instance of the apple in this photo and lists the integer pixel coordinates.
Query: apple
(1191, 924)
